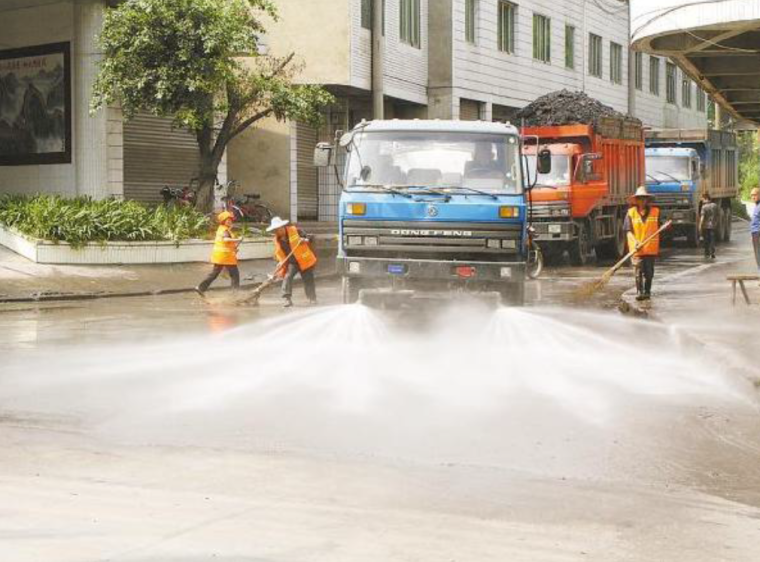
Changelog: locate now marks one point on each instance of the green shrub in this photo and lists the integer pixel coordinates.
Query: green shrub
(82, 220)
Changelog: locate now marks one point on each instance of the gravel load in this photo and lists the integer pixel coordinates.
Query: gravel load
(566, 107)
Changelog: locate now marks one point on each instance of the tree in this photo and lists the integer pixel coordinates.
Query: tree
(198, 61)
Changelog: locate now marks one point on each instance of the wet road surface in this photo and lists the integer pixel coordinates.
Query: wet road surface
(168, 429)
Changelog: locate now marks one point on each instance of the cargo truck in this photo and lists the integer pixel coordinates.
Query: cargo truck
(580, 205)
(430, 208)
(681, 165)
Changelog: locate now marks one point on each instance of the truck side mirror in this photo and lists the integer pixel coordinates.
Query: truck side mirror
(323, 155)
(544, 161)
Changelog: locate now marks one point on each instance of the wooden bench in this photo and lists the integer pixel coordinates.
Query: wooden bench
(740, 279)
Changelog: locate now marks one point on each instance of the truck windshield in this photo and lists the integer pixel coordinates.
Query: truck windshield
(560, 173)
(446, 161)
(668, 168)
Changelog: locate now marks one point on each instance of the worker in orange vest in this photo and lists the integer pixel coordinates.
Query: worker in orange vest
(641, 222)
(224, 254)
(292, 250)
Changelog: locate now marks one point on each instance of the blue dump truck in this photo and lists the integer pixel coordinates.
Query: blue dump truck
(681, 165)
(431, 208)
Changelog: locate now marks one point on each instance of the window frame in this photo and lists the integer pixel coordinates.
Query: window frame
(569, 46)
(506, 15)
(638, 71)
(671, 83)
(616, 63)
(686, 92)
(471, 21)
(409, 23)
(654, 77)
(595, 55)
(542, 38)
(701, 100)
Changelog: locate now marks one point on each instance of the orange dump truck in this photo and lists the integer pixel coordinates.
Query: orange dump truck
(580, 206)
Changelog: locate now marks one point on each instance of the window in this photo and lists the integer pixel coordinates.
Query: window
(670, 82)
(542, 38)
(470, 15)
(594, 55)
(409, 22)
(569, 46)
(686, 92)
(506, 25)
(616, 63)
(701, 105)
(367, 14)
(654, 76)
(638, 68)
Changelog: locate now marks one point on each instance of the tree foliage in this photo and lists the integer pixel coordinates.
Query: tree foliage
(749, 162)
(198, 61)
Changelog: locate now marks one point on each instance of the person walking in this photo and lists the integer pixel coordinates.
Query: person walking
(641, 222)
(754, 225)
(224, 254)
(292, 250)
(708, 218)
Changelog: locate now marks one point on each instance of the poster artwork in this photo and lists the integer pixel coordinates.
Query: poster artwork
(35, 105)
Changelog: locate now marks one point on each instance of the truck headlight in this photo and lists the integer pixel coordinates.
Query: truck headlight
(354, 240)
(370, 240)
(356, 209)
(509, 244)
(509, 212)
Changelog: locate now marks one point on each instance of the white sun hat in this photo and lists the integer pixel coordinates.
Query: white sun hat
(276, 223)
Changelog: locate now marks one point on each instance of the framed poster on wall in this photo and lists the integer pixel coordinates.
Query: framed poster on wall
(35, 105)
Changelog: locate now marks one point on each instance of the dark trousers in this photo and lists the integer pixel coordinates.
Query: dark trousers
(308, 282)
(708, 239)
(644, 268)
(231, 269)
(756, 247)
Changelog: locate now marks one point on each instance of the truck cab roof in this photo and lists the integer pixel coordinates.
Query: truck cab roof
(672, 151)
(437, 126)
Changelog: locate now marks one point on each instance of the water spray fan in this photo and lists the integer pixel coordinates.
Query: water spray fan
(588, 289)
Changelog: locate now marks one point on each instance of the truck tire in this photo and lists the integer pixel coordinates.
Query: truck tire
(350, 290)
(728, 224)
(513, 294)
(580, 248)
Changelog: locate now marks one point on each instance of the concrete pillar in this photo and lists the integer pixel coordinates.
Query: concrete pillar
(718, 116)
(378, 60)
(90, 131)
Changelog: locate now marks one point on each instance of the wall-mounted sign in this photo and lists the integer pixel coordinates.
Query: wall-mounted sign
(35, 105)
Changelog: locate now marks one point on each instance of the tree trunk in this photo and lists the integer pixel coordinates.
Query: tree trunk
(206, 183)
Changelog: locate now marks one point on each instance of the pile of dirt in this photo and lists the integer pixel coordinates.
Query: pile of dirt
(565, 107)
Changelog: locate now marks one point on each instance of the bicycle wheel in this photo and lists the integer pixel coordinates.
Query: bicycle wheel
(535, 263)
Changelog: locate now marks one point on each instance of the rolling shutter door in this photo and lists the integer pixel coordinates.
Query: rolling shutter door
(469, 110)
(156, 155)
(306, 174)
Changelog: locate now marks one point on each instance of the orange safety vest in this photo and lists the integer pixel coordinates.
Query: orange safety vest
(644, 229)
(225, 250)
(303, 253)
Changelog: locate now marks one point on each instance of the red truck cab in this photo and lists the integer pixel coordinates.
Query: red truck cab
(580, 206)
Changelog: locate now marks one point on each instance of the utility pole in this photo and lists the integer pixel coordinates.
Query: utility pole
(378, 59)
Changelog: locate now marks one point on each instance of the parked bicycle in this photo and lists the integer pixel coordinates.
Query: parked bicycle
(245, 206)
(535, 263)
(182, 196)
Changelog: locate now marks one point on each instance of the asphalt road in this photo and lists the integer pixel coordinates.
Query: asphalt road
(170, 429)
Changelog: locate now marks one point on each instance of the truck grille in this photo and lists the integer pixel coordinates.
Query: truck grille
(454, 241)
(682, 200)
(551, 210)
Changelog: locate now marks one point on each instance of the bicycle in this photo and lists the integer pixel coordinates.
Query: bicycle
(183, 196)
(535, 261)
(247, 206)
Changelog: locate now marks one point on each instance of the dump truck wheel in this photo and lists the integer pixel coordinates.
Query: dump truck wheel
(350, 290)
(579, 249)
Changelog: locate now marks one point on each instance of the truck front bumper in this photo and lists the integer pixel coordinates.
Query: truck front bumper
(431, 270)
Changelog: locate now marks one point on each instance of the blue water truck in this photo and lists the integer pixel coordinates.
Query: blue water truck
(681, 165)
(430, 208)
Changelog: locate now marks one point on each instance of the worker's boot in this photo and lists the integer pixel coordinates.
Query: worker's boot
(287, 302)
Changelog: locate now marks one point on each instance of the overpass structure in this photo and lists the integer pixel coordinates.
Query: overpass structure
(715, 42)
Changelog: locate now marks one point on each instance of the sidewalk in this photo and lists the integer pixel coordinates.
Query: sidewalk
(22, 280)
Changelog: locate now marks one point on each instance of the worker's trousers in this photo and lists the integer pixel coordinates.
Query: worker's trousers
(708, 240)
(756, 247)
(231, 269)
(308, 282)
(644, 268)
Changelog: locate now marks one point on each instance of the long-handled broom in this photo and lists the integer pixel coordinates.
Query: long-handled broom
(253, 296)
(588, 289)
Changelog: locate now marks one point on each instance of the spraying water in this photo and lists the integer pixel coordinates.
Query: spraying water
(545, 390)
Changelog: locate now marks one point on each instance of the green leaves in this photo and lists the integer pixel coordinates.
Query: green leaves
(81, 220)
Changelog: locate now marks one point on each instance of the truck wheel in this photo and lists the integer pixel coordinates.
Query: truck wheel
(513, 294)
(580, 248)
(350, 290)
(727, 224)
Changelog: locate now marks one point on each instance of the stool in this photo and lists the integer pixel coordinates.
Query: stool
(740, 279)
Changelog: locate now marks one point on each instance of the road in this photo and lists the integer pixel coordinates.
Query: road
(168, 429)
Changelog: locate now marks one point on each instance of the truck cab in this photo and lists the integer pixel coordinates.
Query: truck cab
(673, 177)
(433, 206)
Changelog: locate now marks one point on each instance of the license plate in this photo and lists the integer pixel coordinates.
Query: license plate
(396, 269)
(555, 229)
